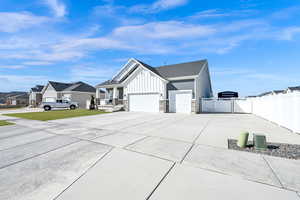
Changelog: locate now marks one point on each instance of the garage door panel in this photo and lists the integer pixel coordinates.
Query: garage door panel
(50, 99)
(180, 101)
(144, 102)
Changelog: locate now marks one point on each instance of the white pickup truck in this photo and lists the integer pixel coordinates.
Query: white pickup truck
(59, 104)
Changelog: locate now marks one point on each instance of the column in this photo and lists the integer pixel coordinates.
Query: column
(115, 95)
(97, 96)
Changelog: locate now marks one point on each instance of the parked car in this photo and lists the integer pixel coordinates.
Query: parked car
(59, 104)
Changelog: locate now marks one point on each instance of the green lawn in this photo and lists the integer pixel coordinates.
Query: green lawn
(56, 114)
(5, 123)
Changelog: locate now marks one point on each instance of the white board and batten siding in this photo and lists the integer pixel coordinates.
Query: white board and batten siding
(144, 82)
(50, 94)
(144, 90)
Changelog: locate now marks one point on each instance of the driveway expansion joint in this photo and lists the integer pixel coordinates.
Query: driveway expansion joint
(163, 178)
(194, 142)
(40, 153)
(137, 141)
(278, 179)
(84, 173)
(146, 154)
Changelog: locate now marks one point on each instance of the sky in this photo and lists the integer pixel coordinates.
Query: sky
(252, 46)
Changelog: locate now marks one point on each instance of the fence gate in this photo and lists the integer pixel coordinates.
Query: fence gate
(213, 105)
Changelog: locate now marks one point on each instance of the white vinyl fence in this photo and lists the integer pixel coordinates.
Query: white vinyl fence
(282, 109)
(212, 105)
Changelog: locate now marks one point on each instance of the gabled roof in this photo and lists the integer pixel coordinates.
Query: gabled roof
(21, 96)
(37, 88)
(77, 86)
(108, 82)
(81, 87)
(294, 88)
(182, 69)
(153, 69)
(278, 91)
(265, 93)
(167, 71)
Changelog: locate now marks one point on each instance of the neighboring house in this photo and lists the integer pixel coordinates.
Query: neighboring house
(265, 94)
(278, 91)
(18, 100)
(35, 95)
(5, 95)
(293, 89)
(78, 92)
(171, 88)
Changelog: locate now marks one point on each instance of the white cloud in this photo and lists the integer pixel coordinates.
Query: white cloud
(12, 66)
(147, 38)
(93, 73)
(91, 43)
(20, 82)
(286, 13)
(167, 4)
(57, 7)
(157, 6)
(37, 63)
(289, 33)
(15, 21)
(158, 37)
(229, 71)
(164, 30)
(216, 13)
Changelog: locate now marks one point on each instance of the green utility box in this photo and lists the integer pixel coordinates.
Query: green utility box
(243, 140)
(259, 141)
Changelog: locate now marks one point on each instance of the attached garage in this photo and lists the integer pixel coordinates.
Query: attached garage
(180, 101)
(144, 102)
(49, 99)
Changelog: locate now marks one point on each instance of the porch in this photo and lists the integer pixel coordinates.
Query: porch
(110, 99)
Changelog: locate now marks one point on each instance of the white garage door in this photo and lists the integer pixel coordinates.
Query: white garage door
(49, 99)
(180, 101)
(144, 102)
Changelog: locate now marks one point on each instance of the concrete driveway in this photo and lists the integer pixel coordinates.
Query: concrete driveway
(143, 156)
(20, 110)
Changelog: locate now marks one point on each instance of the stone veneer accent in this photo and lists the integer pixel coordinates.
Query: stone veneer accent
(194, 106)
(163, 106)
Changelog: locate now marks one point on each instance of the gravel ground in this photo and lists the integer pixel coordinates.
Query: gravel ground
(291, 151)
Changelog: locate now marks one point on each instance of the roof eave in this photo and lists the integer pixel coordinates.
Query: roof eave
(159, 76)
(177, 78)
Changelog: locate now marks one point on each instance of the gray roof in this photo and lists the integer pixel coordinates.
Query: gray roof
(168, 71)
(77, 86)
(25, 95)
(108, 82)
(265, 93)
(294, 88)
(182, 69)
(37, 88)
(278, 91)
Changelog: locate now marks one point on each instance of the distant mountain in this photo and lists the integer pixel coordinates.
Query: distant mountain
(4, 95)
